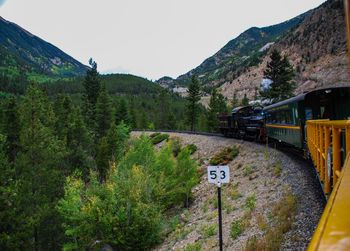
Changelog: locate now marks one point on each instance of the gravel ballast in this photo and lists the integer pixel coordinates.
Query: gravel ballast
(253, 175)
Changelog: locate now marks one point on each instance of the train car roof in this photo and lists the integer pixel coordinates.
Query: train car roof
(287, 101)
(303, 96)
(235, 110)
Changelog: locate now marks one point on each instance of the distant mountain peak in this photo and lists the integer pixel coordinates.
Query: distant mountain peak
(23, 52)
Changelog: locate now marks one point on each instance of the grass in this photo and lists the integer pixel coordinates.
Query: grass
(159, 138)
(208, 230)
(225, 156)
(154, 134)
(193, 247)
(261, 222)
(250, 202)
(175, 144)
(233, 192)
(277, 168)
(192, 148)
(248, 170)
(283, 213)
(181, 232)
(236, 229)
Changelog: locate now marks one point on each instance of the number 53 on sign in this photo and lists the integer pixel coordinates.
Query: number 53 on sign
(218, 174)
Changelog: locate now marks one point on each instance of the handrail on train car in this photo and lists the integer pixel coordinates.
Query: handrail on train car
(333, 230)
(324, 144)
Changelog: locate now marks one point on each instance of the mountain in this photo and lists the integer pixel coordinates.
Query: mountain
(244, 51)
(314, 42)
(316, 48)
(22, 52)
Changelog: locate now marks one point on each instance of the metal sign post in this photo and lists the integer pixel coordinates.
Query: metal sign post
(220, 216)
(219, 175)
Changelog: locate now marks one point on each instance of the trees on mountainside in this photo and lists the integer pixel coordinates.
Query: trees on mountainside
(217, 106)
(280, 72)
(193, 109)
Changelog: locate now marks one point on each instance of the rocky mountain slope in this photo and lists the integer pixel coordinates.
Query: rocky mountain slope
(22, 52)
(315, 43)
(238, 54)
(316, 48)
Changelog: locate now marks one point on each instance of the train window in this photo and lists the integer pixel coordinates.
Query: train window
(283, 116)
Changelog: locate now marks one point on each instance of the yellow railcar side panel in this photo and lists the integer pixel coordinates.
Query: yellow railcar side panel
(333, 231)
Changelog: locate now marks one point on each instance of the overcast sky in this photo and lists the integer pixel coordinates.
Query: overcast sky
(149, 38)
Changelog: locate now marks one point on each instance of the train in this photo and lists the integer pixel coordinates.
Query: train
(285, 122)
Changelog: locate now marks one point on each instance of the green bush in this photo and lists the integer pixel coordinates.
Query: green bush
(192, 148)
(127, 209)
(234, 152)
(248, 170)
(225, 156)
(250, 202)
(152, 135)
(193, 247)
(236, 229)
(159, 138)
(208, 230)
(175, 145)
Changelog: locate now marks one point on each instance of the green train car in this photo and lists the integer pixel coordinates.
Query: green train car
(286, 121)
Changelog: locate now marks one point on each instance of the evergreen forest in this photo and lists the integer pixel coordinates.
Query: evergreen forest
(72, 178)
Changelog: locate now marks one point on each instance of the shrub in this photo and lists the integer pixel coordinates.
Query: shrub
(224, 156)
(236, 229)
(192, 148)
(193, 247)
(175, 144)
(261, 221)
(152, 135)
(250, 202)
(283, 215)
(159, 138)
(248, 170)
(277, 169)
(208, 230)
(234, 194)
(234, 152)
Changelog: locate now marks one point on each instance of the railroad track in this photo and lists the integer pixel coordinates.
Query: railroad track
(185, 132)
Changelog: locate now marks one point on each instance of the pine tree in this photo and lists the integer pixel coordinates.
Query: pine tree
(194, 95)
(245, 100)
(9, 214)
(104, 113)
(39, 173)
(217, 106)
(281, 73)
(102, 159)
(11, 127)
(63, 108)
(79, 145)
(122, 113)
(234, 101)
(117, 137)
(92, 89)
(163, 105)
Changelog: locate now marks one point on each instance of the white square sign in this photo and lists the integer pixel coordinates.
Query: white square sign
(218, 174)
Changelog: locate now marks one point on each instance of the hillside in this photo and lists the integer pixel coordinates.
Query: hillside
(315, 43)
(244, 51)
(22, 52)
(316, 48)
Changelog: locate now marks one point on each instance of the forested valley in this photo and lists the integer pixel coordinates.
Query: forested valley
(72, 178)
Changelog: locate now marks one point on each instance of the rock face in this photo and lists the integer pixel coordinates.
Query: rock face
(316, 48)
(315, 43)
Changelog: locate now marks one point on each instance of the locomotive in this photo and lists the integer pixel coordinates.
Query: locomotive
(285, 121)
